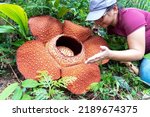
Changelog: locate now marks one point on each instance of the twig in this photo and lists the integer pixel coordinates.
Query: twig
(14, 73)
(132, 67)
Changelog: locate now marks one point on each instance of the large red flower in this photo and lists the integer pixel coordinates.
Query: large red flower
(61, 49)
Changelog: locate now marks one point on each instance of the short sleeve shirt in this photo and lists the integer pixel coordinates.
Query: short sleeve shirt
(129, 20)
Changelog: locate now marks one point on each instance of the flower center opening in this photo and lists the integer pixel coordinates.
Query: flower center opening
(69, 46)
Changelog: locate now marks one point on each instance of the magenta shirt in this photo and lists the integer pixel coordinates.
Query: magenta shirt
(129, 20)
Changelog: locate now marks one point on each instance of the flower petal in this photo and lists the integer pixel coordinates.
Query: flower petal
(92, 47)
(32, 56)
(80, 32)
(45, 27)
(85, 73)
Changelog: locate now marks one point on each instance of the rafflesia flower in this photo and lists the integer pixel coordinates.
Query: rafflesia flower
(61, 49)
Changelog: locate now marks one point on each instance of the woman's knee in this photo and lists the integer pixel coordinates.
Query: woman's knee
(145, 70)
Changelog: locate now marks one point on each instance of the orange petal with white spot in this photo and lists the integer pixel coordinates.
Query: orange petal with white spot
(80, 32)
(45, 27)
(86, 74)
(92, 47)
(32, 56)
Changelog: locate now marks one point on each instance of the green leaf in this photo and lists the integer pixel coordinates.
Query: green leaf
(94, 87)
(8, 91)
(18, 43)
(63, 11)
(122, 83)
(2, 15)
(147, 56)
(29, 83)
(17, 14)
(65, 81)
(56, 4)
(52, 92)
(26, 97)
(40, 94)
(17, 94)
(6, 29)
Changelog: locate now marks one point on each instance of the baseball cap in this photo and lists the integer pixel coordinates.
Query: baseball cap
(98, 8)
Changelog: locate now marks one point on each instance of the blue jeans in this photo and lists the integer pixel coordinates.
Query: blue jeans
(145, 71)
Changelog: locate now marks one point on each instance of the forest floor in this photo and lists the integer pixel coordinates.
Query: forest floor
(4, 82)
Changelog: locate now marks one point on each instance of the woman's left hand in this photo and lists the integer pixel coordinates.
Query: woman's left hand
(104, 53)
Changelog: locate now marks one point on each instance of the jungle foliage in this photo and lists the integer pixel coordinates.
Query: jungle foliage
(117, 81)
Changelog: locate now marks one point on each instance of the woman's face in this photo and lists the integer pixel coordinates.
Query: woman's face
(109, 18)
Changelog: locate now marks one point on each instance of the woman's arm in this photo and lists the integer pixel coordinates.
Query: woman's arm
(136, 43)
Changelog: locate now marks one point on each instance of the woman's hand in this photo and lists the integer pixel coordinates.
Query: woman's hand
(103, 54)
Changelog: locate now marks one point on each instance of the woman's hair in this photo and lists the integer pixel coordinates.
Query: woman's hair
(111, 7)
(120, 6)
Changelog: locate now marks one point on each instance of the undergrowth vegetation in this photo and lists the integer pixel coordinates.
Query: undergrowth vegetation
(43, 89)
(117, 81)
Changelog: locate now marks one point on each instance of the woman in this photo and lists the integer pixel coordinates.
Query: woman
(132, 23)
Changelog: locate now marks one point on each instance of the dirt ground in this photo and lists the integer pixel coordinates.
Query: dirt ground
(4, 82)
(9, 77)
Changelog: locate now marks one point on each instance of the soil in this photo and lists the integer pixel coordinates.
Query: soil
(4, 82)
(9, 77)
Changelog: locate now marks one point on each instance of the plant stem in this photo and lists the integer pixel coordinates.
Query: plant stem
(21, 35)
(14, 73)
